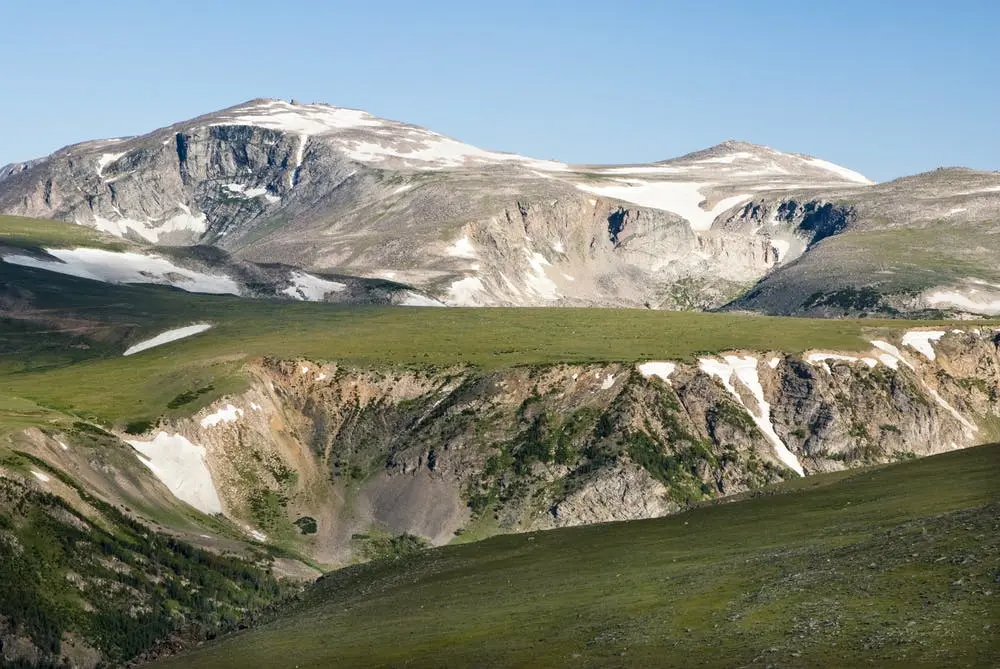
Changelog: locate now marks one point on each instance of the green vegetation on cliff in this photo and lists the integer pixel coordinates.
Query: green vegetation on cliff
(109, 582)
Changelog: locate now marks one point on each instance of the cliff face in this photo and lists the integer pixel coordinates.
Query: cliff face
(440, 454)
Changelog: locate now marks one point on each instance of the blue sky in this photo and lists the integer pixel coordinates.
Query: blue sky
(885, 87)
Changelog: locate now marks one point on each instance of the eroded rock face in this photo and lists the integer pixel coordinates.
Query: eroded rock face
(622, 492)
(440, 453)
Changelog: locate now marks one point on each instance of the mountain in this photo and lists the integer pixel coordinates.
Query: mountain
(335, 191)
(208, 396)
(437, 421)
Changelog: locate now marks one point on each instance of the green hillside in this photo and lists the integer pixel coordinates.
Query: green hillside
(34, 233)
(892, 567)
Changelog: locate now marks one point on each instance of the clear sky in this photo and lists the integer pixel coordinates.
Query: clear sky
(886, 87)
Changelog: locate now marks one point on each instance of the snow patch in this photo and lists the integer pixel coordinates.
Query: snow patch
(988, 305)
(781, 248)
(821, 359)
(537, 280)
(247, 192)
(774, 362)
(411, 299)
(745, 369)
(891, 355)
(850, 175)
(167, 337)
(661, 370)
(814, 358)
(777, 186)
(920, 340)
(969, 426)
(113, 267)
(422, 149)
(180, 466)
(44, 478)
(608, 382)
(301, 119)
(152, 230)
(226, 414)
(462, 248)
(683, 199)
(729, 159)
(465, 292)
(105, 160)
(300, 152)
(311, 288)
(888, 360)
(642, 169)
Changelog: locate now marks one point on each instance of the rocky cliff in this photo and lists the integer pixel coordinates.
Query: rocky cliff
(334, 460)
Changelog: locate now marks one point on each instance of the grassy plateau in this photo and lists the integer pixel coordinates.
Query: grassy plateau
(60, 348)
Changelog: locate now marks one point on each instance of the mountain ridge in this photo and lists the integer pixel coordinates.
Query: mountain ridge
(336, 191)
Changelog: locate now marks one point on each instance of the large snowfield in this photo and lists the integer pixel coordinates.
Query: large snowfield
(180, 466)
(126, 267)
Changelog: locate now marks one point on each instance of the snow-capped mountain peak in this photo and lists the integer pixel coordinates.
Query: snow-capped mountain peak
(371, 140)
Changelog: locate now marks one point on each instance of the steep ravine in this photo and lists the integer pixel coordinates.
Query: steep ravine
(333, 461)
